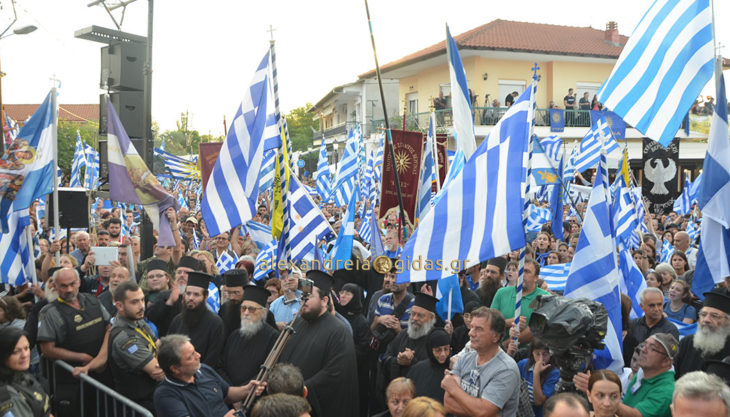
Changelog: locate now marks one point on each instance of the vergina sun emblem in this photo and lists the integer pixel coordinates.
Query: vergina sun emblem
(402, 161)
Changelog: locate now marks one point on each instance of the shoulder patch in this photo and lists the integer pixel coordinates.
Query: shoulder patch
(132, 349)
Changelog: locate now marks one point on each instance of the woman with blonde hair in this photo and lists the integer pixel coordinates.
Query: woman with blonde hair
(399, 393)
(424, 407)
(206, 258)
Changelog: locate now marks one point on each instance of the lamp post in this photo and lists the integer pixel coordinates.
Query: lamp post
(23, 30)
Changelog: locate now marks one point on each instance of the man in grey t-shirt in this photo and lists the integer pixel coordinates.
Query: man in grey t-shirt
(485, 378)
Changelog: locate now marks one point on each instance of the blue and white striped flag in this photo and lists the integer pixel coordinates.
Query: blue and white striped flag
(555, 276)
(694, 189)
(196, 241)
(366, 186)
(683, 328)
(324, 187)
(428, 172)
(177, 167)
(553, 147)
(307, 223)
(460, 100)
(588, 154)
(536, 217)
(91, 173)
(666, 252)
(266, 178)
(683, 204)
(15, 266)
(214, 298)
(664, 66)
(594, 274)
(77, 163)
(260, 233)
(378, 166)
(543, 169)
(265, 261)
(365, 231)
(226, 262)
(693, 230)
(233, 187)
(476, 217)
(342, 251)
(623, 212)
(569, 170)
(632, 281)
(713, 258)
(346, 178)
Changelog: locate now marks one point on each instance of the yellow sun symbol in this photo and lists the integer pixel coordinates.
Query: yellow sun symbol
(402, 162)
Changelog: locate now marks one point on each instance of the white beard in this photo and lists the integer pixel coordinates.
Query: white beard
(249, 328)
(51, 295)
(709, 341)
(417, 333)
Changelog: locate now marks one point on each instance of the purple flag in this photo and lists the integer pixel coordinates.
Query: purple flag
(130, 181)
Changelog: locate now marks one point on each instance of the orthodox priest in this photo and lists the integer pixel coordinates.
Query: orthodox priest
(247, 348)
(196, 321)
(323, 349)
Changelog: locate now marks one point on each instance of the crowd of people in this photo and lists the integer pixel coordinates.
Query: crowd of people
(359, 343)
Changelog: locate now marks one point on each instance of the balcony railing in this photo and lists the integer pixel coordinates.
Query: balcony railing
(340, 129)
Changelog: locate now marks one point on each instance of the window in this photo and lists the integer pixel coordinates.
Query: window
(507, 87)
(412, 99)
(590, 88)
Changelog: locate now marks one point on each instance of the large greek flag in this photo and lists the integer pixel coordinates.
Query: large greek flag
(632, 281)
(555, 276)
(664, 66)
(78, 161)
(460, 100)
(598, 136)
(346, 178)
(307, 223)
(91, 173)
(233, 187)
(593, 272)
(15, 265)
(479, 216)
(428, 172)
(266, 178)
(178, 167)
(322, 175)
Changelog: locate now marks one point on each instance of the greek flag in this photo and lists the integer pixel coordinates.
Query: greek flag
(196, 241)
(214, 298)
(366, 186)
(589, 152)
(555, 276)
(15, 266)
(714, 194)
(666, 252)
(569, 170)
(226, 262)
(623, 212)
(378, 166)
(260, 233)
(77, 163)
(322, 176)
(346, 177)
(365, 231)
(376, 241)
(233, 187)
(683, 204)
(542, 167)
(693, 230)
(476, 217)
(445, 287)
(342, 251)
(31, 157)
(460, 100)
(694, 188)
(11, 129)
(266, 179)
(664, 66)
(553, 147)
(594, 273)
(684, 328)
(307, 223)
(91, 174)
(536, 217)
(428, 172)
(632, 280)
(177, 167)
(265, 261)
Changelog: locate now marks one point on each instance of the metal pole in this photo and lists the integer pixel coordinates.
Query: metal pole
(2, 116)
(54, 141)
(146, 236)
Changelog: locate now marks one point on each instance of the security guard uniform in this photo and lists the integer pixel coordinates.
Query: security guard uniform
(23, 396)
(131, 347)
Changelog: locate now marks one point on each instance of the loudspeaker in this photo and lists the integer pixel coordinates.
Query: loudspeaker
(122, 66)
(73, 208)
(129, 106)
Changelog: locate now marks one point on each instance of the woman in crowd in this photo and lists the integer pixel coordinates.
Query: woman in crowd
(667, 275)
(679, 262)
(399, 393)
(553, 258)
(424, 407)
(542, 248)
(653, 279)
(668, 236)
(20, 393)
(350, 306)
(11, 312)
(678, 307)
(273, 286)
(604, 393)
(511, 273)
(539, 374)
(461, 333)
(428, 373)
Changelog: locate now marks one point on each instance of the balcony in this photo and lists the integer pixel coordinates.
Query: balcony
(339, 130)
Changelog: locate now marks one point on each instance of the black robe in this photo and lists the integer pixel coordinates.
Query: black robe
(427, 376)
(242, 357)
(691, 359)
(390, 366)
(230, 312)
(162, 314)
(324, 351)
(207, 337)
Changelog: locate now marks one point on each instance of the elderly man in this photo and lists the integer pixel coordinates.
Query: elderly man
(485, 381)
(286, 306)
(169, 303)
(650, 391)
(566, 404)
(191, 388)
(83, 246)
(247, 348)
(233, 282)
(118, 275)
(700, 394)
(712, 339)
(682, 243)
(651, 301)
(409, 347)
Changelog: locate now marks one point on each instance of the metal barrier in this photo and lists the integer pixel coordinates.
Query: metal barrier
(109, 403)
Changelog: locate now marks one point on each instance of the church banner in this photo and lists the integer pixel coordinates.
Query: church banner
(659, 183)
(208, 155)
(408, 149)
(442, 145)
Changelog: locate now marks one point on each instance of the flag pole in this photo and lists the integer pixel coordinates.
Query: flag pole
(448, 313)
(54, 141)
(388, 135)
(31, 254)
(435, 151)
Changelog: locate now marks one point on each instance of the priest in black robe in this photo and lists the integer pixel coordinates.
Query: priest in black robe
(168, 303)
(428, 373)
(711, 342)
(233, 282)
(204, 327)
(247, 348)
(322, 348)
(409, 347)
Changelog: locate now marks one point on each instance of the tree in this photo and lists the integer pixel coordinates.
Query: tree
(300, 124)
(67, 141)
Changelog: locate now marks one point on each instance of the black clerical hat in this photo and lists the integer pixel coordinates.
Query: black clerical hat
(189, 262)
(717, 300)
(156, 263)
(199, 279)
(235, 278)
(426, 301)
(256, 294)
(54, 269)
(322, 280)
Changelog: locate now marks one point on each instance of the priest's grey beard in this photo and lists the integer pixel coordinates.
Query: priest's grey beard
(709, 339)
(51, 295)
(416, 331)
(250, 327)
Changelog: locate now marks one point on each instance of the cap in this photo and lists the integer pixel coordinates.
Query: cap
(199, 279)
(256, 294)
(426, 301)
(189, 262)
(670, 344)
(191, 219)
(321, 279)
(717, 300)
(156, 263)
(51, 271)
(235, 278)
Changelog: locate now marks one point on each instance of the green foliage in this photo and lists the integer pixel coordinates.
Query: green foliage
(183, 141)
(300, 124)
(67, 141)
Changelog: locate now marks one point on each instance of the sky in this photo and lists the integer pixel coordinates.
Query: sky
(205, 52)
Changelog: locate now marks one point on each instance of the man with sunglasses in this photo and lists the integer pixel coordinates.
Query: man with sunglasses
(650, 391)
